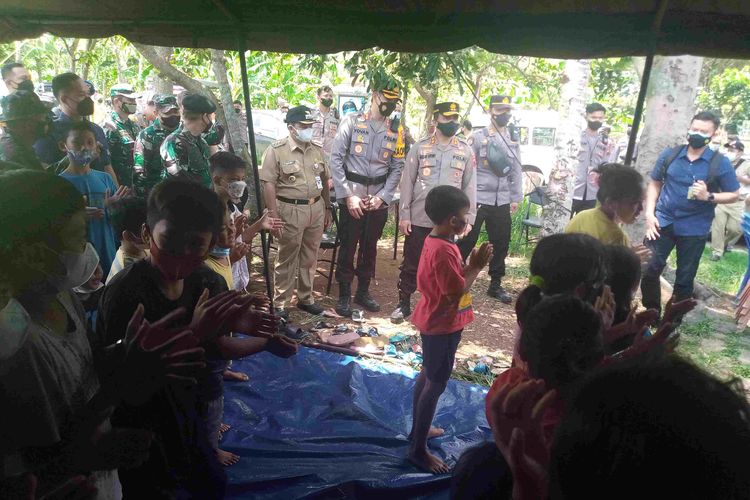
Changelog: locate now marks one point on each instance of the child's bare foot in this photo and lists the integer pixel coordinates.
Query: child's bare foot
(235, 376)
(427, 462)
(435, 432)
(227, 458)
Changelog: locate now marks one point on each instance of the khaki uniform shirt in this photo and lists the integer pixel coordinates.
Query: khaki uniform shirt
(298, 171)
(324, 129)
(366, 147)
(430, 164)
(492, 189)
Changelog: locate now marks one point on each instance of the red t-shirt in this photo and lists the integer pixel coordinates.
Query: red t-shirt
(444, 307)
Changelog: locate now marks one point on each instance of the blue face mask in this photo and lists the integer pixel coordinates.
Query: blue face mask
(83, 157)
(220, 252)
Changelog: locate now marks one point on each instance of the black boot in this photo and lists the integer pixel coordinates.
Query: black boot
(403, 310)
(496, 291)
(363, 297)
(344, 305)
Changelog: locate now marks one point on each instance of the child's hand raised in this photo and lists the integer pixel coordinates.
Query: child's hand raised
(215, 317)
(674, 311)
(257, 323)
(238, 252)
(605, 306)
(481, 256)
(281, 346)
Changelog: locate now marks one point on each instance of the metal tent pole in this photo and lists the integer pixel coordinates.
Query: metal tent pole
(254, 161)
(639, 108)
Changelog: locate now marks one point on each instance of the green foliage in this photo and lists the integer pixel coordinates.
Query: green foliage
(615, 84)
(728, 92)
(723, 275)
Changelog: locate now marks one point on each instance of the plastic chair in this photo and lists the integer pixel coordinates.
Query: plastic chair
(536, 196)
(330, 241)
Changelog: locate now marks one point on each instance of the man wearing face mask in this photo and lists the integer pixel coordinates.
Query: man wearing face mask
(75, 105)
(326, 120)
(499, 190)
(25, 120)
(687, 183)
(16, 77)
(442, 159)
(295, 185)
(725, 229)
(148, 169)
(591, 154)
(185, 152)
(366, 172)
(122, 132)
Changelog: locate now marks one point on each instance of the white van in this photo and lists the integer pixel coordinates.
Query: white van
(536, 135)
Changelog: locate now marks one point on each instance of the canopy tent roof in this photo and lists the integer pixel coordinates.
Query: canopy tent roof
(560, 29)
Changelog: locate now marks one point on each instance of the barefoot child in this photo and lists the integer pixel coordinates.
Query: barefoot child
(442, 312)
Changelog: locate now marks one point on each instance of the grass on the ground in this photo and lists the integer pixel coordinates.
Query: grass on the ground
(724, 275)
(721, 362)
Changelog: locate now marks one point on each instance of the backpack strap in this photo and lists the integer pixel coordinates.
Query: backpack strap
(671, 157)
(712, 182)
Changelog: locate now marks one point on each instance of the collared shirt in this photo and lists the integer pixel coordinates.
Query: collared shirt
(324, 129)
(185, 155)
(690, 217)
(12, 150)
(121, 136)
(596, 224)
(591, 154)
(297, 170)
(492, 189)
(48, 150)
(147, 164)
(430, 164)
(365, 147)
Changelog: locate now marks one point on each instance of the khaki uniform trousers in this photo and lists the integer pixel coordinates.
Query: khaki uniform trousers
(725, 229)
(297, 256)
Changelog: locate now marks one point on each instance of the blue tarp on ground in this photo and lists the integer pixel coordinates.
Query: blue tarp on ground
(322, 425)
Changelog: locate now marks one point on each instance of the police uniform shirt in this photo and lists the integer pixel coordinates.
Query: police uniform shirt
(493, 189)
(430, 164)
(298, 172)
(324, 129)
(365, 147)
(592, 153)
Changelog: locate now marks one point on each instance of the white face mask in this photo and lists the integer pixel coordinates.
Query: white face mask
(236, 189)
(79, 268)
(305, 134)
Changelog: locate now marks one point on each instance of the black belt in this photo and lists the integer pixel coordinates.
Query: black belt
(364, 180)
(298, 202)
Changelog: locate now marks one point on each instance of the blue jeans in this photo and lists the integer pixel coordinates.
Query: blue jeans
(689, 252)
(746, 231)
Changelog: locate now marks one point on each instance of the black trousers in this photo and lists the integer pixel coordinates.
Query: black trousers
(498, 230)
(359, 238)
(407, 279)
(581, 205)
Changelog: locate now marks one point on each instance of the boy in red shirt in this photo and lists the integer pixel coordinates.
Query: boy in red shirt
(442, 312)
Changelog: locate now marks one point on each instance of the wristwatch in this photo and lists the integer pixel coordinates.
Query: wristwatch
(711, 198)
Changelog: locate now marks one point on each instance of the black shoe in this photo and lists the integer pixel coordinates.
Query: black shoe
(313, 308)
(282, 313)
(344, 305)
(364, 298)
(496, 291)
(403, 310)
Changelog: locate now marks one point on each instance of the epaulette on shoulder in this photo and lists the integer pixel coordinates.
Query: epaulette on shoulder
(278, 143)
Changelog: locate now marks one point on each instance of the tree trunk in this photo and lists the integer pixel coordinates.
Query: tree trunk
(163, 85)
(429, 99)
(670, 104)
(88, 46)
(167, 70)
(237, 137)
(477, 90)
(555, 215)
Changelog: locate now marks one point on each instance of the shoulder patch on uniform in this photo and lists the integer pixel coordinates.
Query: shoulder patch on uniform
(470, 141)
(278, 143)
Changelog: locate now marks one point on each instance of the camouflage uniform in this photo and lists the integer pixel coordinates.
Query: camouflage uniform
(121, 136)
(185, 155)
(148, 167)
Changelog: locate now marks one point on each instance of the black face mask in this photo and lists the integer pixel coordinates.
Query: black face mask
(26, 85)
(448, 129)
(85, 107)
(170, 122)
(596, 125)
(386, 108)
(501, 120)
(326, 102)
(237, 110)
(697, 141)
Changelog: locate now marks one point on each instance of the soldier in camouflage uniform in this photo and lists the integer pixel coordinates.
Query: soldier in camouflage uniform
(121, 132)
(148, 167)
(25, 120)
(499, 190)
(184, 152)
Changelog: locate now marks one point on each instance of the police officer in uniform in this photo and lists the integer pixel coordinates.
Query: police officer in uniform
(326, 120)
(499, 190)
(365, 171)
(147, 164)
(185, 152)
(439, 159)
(121, 132)
(295, 186)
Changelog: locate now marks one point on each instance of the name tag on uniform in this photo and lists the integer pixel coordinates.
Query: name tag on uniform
(318, 182)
